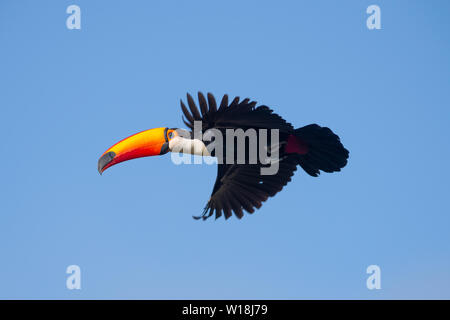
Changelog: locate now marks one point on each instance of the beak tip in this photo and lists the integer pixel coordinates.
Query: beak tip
(104, 161)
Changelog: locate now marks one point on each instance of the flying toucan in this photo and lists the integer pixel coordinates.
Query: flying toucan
(239, 186)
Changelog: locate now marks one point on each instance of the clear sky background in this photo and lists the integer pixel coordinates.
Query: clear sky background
(68, 95)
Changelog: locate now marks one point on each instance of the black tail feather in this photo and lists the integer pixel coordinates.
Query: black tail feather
(325, 150)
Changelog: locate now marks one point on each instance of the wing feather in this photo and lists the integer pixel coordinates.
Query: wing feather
(194, 110)
(241, 188)
(212, 103)
(203, 104)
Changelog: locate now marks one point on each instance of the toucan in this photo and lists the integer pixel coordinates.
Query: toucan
(240, 186)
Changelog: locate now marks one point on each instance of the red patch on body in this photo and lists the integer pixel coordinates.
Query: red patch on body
(296, 145)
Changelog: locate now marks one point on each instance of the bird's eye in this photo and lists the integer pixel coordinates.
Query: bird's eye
(170, 135)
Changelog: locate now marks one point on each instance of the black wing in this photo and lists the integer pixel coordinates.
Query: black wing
(237, 114)
(239, 187)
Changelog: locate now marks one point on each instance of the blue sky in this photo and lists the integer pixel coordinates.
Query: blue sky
(68, 95)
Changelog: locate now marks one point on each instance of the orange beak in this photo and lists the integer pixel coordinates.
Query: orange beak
(147, 143)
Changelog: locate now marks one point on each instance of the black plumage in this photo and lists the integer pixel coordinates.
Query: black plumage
(241, 187)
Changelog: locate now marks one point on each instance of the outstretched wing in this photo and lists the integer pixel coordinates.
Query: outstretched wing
(238, 114)
(239, 187)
